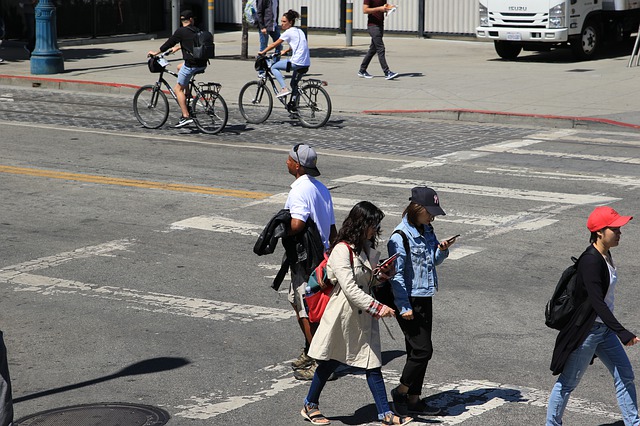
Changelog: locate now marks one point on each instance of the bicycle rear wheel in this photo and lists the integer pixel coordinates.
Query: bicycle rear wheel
(313, 106)
(210, 112)
(255, 102)
(150, 106)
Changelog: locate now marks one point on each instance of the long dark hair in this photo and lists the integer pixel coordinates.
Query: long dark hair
(362, 216)
(291, 16)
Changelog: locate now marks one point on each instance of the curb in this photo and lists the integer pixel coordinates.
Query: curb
(478, 116)
(66, 84)
(512, 118)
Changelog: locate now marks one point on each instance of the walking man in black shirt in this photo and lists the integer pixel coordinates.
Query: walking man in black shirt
(185, 36)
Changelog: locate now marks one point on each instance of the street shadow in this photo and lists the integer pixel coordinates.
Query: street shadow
(388, 356)
(91, 53)
(368, 414)
(454, 402)
(148, 366)
(15, 53)
(334, 52)
(618, 423)
(616, 51)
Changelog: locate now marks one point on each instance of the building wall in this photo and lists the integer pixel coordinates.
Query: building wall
(441, 16)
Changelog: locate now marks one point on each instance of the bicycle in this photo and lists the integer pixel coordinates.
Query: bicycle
(311, 105)
(207, 108)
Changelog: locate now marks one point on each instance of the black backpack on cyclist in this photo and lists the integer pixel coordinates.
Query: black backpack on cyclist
(202, 44)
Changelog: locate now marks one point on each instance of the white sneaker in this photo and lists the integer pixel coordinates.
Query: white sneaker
(283, 92)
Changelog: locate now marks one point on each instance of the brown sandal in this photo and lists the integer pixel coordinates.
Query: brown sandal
(314, 416)
(395, 420)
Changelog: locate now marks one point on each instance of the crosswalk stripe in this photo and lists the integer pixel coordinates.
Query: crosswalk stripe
(577, 156)
(22, 276)
(482, 191)
(618, 180)
(461, 400)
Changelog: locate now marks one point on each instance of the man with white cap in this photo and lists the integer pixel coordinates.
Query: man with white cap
(308, 199)
(593, 330)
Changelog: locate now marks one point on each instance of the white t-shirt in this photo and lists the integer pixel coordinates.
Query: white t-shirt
(310, 198)
(299, 49)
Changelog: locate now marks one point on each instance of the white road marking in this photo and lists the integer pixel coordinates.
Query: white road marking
(219, 224)
(601, 158)
(81, 253)
(211, 405)
(22, 277)
(483, 191)
(627, 181)
(461, 400)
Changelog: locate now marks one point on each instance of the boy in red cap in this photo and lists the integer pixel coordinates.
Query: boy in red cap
(593, 329)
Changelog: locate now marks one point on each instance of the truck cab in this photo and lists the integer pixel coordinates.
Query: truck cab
(582, 25)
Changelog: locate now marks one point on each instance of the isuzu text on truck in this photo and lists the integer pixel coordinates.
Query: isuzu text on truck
(583, 25)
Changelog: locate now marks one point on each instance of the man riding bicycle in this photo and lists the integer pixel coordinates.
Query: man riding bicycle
(184, 35)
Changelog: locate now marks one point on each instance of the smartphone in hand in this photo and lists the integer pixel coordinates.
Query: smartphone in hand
(452, 239)
(386, 262)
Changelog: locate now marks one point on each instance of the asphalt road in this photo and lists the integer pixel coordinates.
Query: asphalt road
(123, 245)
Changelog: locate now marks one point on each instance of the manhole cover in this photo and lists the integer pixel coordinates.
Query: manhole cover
(103, 414)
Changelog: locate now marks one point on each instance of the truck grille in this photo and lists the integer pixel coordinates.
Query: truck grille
(518, 20)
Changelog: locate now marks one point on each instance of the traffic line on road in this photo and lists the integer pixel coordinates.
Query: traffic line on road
(461, 401)
(482, 191)
(627, 181)
(21, 276)
(505, 148)
(135, 183)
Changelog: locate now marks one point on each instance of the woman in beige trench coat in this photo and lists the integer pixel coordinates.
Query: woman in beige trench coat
(349, 331)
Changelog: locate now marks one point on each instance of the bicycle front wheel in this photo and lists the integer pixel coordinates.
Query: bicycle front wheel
(151, 107)
(255, 102)
(210, 112)
(313, 106)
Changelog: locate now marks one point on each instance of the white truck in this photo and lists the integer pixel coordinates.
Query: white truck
(540, 25)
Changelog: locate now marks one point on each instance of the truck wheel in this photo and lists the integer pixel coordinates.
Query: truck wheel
(507, 50)
(587, 44)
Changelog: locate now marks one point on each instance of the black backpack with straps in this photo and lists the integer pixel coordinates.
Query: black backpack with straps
(202, 45)
(564, 301)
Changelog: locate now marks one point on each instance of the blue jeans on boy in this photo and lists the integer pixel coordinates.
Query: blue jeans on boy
(374, 380)
(604, 343)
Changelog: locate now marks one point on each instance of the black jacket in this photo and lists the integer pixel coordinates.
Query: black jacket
(265, 12)
(592, 285)
(303, 251)
(185, 36)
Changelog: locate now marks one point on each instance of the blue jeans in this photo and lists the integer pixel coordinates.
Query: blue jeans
(185, 73)
(374, 379)
(264, 39)
(282, 65)
(602, 342)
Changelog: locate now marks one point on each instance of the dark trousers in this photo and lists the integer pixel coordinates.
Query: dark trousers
(417, 337)
(377, 46)
(6, 403)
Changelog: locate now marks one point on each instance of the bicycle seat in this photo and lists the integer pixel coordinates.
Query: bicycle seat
(199, 72)
(302, 71)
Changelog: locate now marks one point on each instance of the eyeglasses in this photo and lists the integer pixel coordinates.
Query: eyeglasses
(295, 150)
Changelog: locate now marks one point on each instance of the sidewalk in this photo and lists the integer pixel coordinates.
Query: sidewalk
(438, 78)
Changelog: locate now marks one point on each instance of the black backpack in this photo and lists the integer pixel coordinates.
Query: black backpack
(202, 45)
(564, 302)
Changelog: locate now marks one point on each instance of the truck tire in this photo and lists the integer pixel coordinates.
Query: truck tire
(587, 44)
(507, 50)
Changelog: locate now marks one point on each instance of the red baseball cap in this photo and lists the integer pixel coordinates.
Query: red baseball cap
(606, 217)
